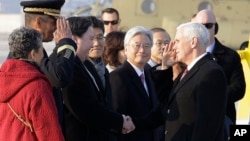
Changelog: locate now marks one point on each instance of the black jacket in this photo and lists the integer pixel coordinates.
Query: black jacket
(88, 117)
(230, 62)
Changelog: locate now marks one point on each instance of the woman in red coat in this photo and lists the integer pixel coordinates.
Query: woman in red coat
(28, 111)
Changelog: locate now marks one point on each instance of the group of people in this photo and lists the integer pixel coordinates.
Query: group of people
(102, 84)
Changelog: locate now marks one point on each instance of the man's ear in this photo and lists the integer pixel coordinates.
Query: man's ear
(194, 42)
(38, 23)
(125, 50)
(74, 38)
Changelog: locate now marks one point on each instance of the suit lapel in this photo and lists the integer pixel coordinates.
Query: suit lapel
(137, 81)
(85, 72)
(180, 83)
(186, 78)
(93, 71)
(218, 47)
(151, 88)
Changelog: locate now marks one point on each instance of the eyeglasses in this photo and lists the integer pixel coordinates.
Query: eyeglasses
(208, 25)
(160, 44)
(137, 46)
(112, 22)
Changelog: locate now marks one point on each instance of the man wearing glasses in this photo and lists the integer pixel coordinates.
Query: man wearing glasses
(132, 86)
(111, 20)
(228, 59)
(161, 40)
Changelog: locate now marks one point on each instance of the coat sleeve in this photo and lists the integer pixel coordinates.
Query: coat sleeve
(163, 80)
(59, 66)
(119, 93)
(236, 83)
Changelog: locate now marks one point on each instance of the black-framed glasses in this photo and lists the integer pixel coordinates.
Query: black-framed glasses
(208, 25)
(112, 22)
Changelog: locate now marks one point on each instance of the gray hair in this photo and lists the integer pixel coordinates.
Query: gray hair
(192, 29)
(23, 40)
(135, 31)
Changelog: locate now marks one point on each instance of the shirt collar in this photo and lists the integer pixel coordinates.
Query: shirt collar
(210, 48)
(152, 63)
(137, 70)
(189, 67)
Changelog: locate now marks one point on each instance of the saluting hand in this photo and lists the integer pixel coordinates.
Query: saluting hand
(168, 56)
(62, 29)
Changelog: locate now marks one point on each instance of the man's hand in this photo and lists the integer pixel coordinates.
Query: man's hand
(128, 125)
(168, 56)
(62, 29)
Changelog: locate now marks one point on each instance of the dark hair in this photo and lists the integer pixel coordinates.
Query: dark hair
(79, 25)
(114, 43)
(111, 10)
(97, 23)
(23, 40)
(159, 29)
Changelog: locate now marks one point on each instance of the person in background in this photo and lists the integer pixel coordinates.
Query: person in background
(44, 16)
(96, 53)
(161, 40)
(28, 110)
(111, 19)
(228, 59)
(87, 116)
(114, 50)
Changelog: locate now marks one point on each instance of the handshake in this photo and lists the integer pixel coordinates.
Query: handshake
(128, 125)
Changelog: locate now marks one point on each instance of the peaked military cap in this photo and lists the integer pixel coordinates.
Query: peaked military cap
(47, 7)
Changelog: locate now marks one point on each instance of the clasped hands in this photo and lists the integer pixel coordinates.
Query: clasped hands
(128, 125)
